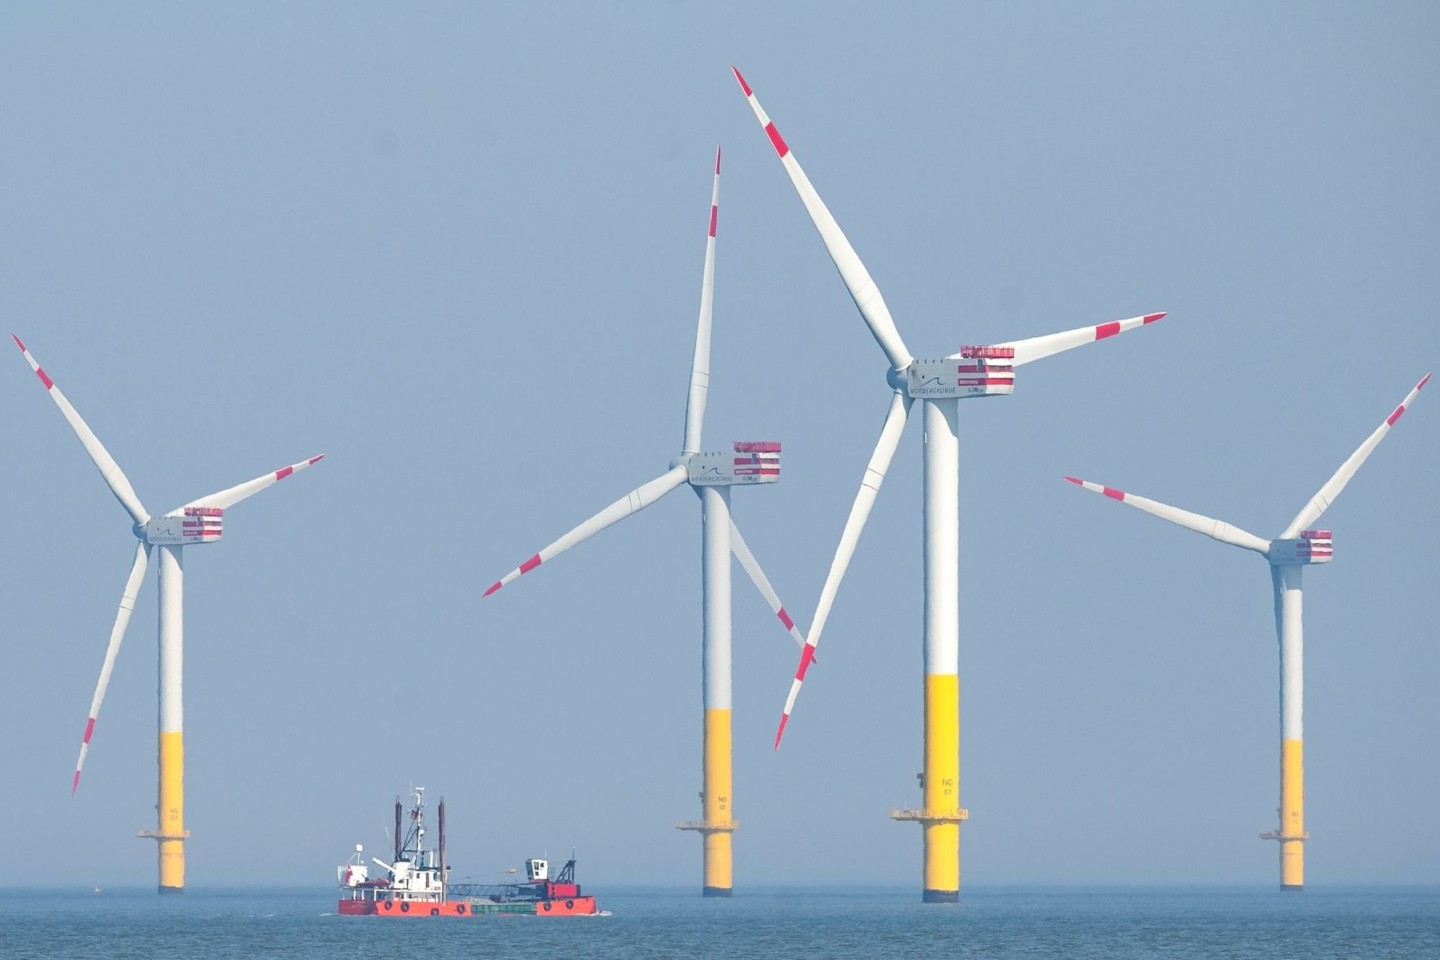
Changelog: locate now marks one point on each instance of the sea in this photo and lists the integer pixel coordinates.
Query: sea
(790, 923)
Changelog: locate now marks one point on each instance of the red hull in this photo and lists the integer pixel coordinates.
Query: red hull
(568, 907)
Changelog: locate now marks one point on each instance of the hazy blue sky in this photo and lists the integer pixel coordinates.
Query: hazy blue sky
(458, 248)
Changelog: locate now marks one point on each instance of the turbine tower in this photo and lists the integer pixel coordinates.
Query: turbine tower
(972, 371)
(199, 521)
(710, 475)
(1298, 545)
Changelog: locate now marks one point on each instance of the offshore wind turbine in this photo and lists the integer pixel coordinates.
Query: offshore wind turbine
(710, 475)
(1297, 546)
(972, 371)
(197, 522)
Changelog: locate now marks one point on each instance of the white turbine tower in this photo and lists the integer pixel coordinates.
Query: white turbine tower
(199, 521)
(972, 371)
(1296, 546)
(710, 475)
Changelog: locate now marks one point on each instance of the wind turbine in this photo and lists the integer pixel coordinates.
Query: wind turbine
(1296, 546)
(199, 521)
(710, 475)
(972, 371)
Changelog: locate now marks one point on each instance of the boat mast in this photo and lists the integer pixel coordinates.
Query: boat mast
(399, 837)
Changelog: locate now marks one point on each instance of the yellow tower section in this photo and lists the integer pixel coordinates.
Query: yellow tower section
(1292, 835)
(717, 825)
(171, 833)
(940, 814)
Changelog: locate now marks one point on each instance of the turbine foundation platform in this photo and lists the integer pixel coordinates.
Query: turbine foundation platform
(709, 826)
(931, 816)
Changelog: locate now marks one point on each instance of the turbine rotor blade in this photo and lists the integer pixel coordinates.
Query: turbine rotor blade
(875, 470)
(114, 477)
(807, 657)
(700, 365)
(1326, 495)
(741, 549)
(1037, 348)
(1209, 526)
(637, 499)
(857, 279)
(112, 650)
(243, 491)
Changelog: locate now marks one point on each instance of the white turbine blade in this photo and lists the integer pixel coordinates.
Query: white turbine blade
(859, 512)
(1217, 529)
(115, 478)
(1037, 348)
(1321, 501)
(117, 634)
(700, 365)
(637, 499)
(741, 549)
(243, 491)
(857, 279)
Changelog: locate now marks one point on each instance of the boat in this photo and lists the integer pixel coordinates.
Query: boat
(417, 882)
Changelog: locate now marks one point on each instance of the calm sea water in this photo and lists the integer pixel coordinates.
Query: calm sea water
(793, 924)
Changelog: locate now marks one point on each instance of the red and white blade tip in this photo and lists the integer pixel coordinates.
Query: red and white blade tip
(1110, 329)
(284, 472)
(782, 149)
(807, 657)
(521, 570)
(84, 749)
(780, 732)
(717, 161)
(1400, 410)
(34, 364)
(1110, 492)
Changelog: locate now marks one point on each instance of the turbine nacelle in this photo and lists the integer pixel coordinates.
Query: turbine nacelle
(188, 526)
(1312, 546)
(978, 371)
(753, 461)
